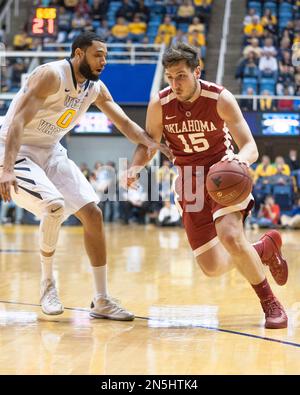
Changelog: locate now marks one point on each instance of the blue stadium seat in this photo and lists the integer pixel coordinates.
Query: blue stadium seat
(256, 5)
(249, 83)
(285, 7)
(267, 84)
(283, 195)
(271, 6)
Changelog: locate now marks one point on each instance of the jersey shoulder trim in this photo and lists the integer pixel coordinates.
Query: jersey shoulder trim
(166, 95)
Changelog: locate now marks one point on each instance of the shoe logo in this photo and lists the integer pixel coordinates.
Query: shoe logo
(55, 209)
(167, 117)
(67, 90)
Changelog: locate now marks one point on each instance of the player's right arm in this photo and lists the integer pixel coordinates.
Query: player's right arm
(41, 84)
(154, 128)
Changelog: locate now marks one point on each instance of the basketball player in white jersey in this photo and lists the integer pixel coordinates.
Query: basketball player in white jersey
(37, 174)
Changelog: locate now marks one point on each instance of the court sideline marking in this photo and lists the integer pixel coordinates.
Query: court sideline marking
(211, 328)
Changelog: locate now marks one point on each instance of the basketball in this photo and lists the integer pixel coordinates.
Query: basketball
(229, 183)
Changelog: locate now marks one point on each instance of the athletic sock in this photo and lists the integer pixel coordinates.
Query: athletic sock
(263, 290)
(100, 281)
(46, 266)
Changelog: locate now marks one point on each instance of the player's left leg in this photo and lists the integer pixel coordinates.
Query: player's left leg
(231, 234)
(80, 200)
(94, 239)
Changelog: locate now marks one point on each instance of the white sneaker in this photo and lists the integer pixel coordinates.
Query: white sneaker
(106, 307)
(49, 298)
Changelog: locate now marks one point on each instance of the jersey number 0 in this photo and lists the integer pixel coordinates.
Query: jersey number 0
(66, 118)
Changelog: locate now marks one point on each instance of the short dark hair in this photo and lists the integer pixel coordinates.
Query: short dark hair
(85, 40)
(177, 53)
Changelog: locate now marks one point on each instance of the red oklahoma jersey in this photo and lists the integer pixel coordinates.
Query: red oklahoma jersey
(194, 131)
(198, 137)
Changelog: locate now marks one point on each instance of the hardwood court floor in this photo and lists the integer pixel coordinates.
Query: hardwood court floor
(186, 323)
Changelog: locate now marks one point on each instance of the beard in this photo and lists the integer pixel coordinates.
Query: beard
(193, 91)
(86, 71)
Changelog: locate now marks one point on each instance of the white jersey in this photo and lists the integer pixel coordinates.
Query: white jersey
(60, 111)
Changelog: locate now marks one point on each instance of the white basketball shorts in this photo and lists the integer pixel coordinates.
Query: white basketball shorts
(45, 175)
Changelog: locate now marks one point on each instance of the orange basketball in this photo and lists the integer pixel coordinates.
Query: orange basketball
(229, 183)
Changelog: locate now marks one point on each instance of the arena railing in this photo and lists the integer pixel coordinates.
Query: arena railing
(6, 14)
(256, 98)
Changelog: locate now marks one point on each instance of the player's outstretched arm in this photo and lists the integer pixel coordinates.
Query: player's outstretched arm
(129, 128)
(155, 128)
(40, 85)
(229, 110)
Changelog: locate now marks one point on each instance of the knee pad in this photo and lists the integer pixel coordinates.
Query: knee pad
(50, 225)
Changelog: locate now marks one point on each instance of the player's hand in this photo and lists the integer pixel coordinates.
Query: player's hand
(154, 146)
(129, 178)
(232, 156)
(7, 180)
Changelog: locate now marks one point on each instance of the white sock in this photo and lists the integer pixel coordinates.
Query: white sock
(46, 265)
(100, 280)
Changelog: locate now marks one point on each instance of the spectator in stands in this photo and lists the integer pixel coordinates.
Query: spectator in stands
(103, 30)
(185, 12)
(280, 167)
(267, 103)
(85, 170)
(99, 9)
(286, 81)
(143, 10)
(97, 168)
(264, 169)
(169, 215)
(171, 8)
(120, 31)
(22, 41)
(135, 207)
(15, 74)
(165, 177)
(197, 39)
(285, 104)
(268, 66)
(254, 48)
(180, 37)
(250, 68)
(292, 160)
(288, 31)
(79, 22)
(126, 10)
(64, 20)
(269, 46)
(292, 220)
(269, 22)
(269, 213)
(137, 29)
(247, 104)
(70, 4)
(196, 25)
(255, 26)
(166, 31)
(286, 59)
(203, 9)
(83, 7)
(250, 14)
(5, 207)
(285, 46)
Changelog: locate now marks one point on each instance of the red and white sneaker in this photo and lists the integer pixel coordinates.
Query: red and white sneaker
(276, 317)
(271, 256)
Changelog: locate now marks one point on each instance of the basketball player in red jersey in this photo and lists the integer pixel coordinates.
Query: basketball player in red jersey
(197, 120)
